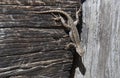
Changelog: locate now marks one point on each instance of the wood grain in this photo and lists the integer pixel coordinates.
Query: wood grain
(101, 36)
(33, 45)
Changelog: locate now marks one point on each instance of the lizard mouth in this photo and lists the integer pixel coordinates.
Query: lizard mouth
(80, 51)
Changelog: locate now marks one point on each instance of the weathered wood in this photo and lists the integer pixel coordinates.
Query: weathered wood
(13, 14)
(101, 36)
(33, 45)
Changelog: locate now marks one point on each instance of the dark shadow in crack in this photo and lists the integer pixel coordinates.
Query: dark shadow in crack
(77, 62)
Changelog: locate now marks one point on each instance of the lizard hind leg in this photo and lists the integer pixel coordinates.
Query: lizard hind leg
(64, 22)
(56, 18)
(77, 16)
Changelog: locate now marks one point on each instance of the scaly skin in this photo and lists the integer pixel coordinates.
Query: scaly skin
(74, 35)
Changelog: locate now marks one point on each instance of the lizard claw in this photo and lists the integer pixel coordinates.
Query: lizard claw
(56, 18)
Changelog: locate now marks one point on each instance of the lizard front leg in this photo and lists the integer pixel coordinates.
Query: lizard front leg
(68, 46)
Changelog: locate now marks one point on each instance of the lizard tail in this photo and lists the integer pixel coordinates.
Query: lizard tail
(54, 11)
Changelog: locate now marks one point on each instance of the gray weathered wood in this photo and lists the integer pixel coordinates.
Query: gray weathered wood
(33, 45)
(101, 36)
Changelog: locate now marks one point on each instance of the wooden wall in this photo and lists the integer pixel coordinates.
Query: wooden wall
(33, 45)
(101, 36)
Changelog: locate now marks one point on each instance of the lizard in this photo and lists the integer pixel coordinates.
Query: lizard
(71, 25)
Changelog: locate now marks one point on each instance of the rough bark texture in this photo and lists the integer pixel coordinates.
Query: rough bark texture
(101, 36)
(32, 45)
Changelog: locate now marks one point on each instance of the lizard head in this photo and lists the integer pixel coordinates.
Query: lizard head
(79, 51)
